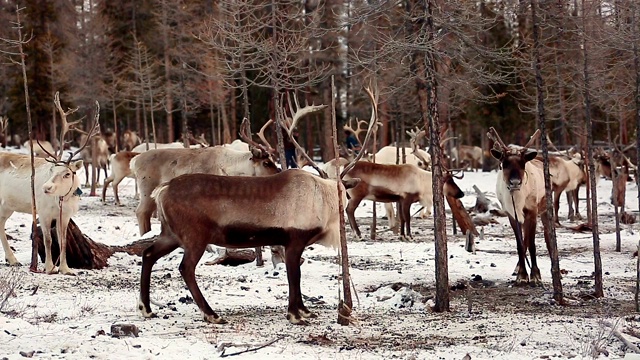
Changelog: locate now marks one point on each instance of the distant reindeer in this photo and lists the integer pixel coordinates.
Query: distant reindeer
(56, 196)
(470, 156)
(520, 190)
(98, 148)
(130, 139)
(120, 168)
(41, 148)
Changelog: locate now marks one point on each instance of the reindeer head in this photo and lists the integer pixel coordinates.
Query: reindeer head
(63, 180)
(512, 161)
(260, 154)
(450, 188)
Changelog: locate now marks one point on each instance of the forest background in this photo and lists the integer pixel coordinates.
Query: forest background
(202, 66)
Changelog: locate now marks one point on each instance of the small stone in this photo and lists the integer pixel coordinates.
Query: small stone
(124, 330)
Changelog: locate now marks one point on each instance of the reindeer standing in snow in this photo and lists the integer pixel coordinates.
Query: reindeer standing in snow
(520, 190)
(56, 197)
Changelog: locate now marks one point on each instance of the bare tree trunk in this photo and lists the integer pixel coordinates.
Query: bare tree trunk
(547, 218)
(598, 291)
(167, 75)
(636, 64)
(34, 247)
(345, 306)
(328, 151)
(374, 223)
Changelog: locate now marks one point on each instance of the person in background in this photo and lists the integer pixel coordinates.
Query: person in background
(289, 149)
(352, 142)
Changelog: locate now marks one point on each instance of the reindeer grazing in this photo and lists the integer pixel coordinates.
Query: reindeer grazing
(154, 167)
(520, 190)
(56, 196)
(120, 168)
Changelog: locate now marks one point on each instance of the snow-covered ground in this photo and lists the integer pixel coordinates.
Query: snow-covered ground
(57, 316)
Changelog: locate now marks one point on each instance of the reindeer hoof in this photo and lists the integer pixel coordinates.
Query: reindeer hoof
(296, 320)
(52, 270)
(308, 314)
(13, 262)
(66, 271)
(144, 312)
(214, 319)
(522, 281)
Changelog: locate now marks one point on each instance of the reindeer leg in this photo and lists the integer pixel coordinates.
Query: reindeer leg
(406, 216)
(62, 241)
(86, 174)
(351, 209)
(187, 268)
(391, 215)
(521, 271)
(161, 247)
(576, 198)
(570, 203)
(8, 253)
(297, 311)
(556, 205)
(530, 243)
(116, 183)
(107, 181)
(143, 212)
(49, 266)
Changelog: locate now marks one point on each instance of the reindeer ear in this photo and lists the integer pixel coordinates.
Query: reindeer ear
(76, 165)
(351, 183)
(530, 155)
(257, 153)
(497, 154)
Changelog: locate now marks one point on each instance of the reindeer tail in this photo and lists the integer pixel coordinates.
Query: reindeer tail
(158, 195)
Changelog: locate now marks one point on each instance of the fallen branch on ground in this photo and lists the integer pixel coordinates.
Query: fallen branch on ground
(223, 347)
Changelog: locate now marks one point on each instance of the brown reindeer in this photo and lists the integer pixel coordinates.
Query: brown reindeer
(240, 212)
(520, 190)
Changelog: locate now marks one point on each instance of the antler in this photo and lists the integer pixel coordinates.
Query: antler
(245, 134)
(4, 123)
(199, 140)
(298, 113)
(263, 139)
(532, 139)
(493, 135)
(415, 136)
(65, 126)
(357, 131)
(95, 130)
(374, 96)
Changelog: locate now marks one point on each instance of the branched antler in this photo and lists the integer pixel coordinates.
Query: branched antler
(245, 134)
(414, 137)
(289, 128)
(357, 131)
(374, 96)
(264, 139)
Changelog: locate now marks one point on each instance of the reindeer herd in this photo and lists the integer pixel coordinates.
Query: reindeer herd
(235, 196)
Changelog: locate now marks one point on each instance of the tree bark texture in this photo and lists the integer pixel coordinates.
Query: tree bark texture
(547, 217)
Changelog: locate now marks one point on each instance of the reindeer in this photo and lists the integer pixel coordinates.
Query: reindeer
(198, 143)
(99, 148)
(402, 183)
(41, 148)
(56, 193)
(130, 139)
(239, 212)
(154, 167)
(120, 168)
(566, 175)
(471, 156)
(245, 212)
(520, 190)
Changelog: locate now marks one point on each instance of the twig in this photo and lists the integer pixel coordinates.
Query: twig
(622, 338)
(222, 347)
